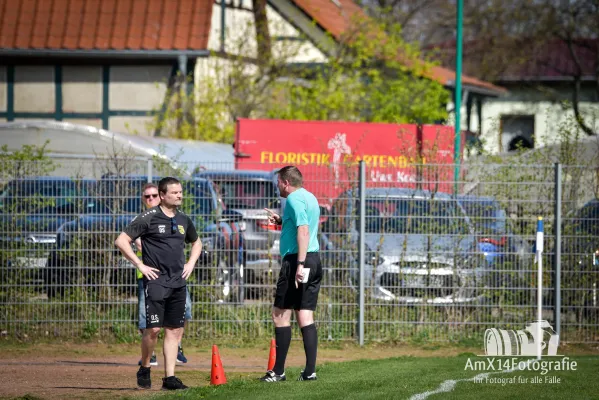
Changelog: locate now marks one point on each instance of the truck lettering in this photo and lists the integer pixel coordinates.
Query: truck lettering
(269, 157)
(335, 149)
(371, 160)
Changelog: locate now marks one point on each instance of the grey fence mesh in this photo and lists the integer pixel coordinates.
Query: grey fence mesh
(438, 266)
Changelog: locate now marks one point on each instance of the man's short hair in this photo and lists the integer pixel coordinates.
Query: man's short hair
(149, 185)
(291, 174)
(164, 182)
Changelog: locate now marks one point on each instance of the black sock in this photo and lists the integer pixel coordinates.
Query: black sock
(283, 340)
(310, 346)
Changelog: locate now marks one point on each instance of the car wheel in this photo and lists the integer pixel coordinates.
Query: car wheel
(229, 282)
(57, 275)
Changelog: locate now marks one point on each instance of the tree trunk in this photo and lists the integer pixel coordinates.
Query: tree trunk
(575, 100)
(597, 67)
(262, 33)
(576, 91)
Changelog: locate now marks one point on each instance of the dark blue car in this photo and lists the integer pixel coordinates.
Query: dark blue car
(85, 252)
(31, 210)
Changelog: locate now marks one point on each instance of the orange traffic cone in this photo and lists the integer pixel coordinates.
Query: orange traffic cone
(217, 376)
(272, 357)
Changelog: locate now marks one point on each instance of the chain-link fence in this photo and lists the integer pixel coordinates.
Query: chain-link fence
(437, 266)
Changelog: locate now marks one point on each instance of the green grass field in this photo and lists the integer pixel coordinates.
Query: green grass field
(403, 377)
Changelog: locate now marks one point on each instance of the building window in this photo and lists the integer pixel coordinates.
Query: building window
(517, 132)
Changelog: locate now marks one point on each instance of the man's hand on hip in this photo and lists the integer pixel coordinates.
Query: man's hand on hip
(148, 272)
(187, 270)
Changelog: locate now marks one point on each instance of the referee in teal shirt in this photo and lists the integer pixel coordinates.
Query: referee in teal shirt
(301, 272)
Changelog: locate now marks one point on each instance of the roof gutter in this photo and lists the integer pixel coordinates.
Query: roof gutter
(478, 89)
(78, 53)
(512, 79)
(81, 156)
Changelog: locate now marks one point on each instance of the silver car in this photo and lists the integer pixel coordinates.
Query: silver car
(420, 246)
(248, 193)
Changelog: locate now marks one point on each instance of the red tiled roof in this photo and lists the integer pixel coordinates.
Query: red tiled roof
(546, 61)
(332, 18)
(553, 60)
(105, 24)
(337, 20)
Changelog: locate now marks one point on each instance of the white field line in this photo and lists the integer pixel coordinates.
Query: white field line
(449, 385)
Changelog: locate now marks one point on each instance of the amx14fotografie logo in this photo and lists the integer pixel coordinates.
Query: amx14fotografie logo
(506, 351)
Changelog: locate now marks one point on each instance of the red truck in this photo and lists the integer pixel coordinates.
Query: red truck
(328, 153)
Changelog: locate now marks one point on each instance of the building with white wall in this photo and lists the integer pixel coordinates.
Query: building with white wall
(110, 63)
(537, 108)
(105, 64)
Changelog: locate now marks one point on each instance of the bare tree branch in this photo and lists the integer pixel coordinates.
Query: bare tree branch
(505, 36)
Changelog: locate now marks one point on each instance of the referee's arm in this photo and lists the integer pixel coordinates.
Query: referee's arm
(303, 240)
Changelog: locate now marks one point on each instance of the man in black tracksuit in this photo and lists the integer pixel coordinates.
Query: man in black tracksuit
(164, 231)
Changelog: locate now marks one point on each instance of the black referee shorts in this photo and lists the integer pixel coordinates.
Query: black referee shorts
(305, 296)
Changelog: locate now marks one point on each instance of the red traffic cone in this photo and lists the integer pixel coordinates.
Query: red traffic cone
(217, 375)
(272, 356)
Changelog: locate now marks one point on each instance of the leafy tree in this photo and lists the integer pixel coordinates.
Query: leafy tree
(373, 76)
(31, 160)
(18, 199)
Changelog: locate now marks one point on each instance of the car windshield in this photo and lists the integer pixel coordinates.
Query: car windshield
(124, 196)
(486, 216)
(30, 195)
(118, 196)
(83, 206)
(413, 216)
(197, 199)
(247, 194)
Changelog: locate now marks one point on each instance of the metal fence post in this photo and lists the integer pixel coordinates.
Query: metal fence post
(558, 248)
(362, 182)
(150, 167)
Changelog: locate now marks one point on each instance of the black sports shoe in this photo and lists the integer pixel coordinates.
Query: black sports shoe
(272, 377)
(143, 378)
(172, 383)
(303, 377)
